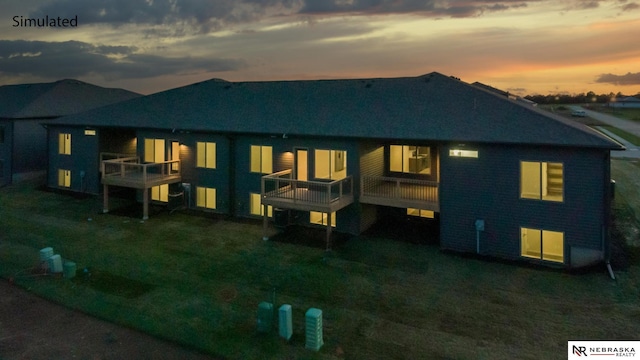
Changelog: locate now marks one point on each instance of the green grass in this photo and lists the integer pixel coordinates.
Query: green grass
(629, 114)
(634, 139)
(198, 280)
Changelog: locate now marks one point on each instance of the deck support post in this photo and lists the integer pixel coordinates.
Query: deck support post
(145, 204)
(328, 231)
(105, 198)
(265, 222)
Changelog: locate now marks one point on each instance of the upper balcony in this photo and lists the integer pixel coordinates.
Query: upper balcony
(280, 190)
(127, 171)
(399, 192)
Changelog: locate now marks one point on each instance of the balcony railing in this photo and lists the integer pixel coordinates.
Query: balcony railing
(129, 172)
(279, 189)
(399, 192)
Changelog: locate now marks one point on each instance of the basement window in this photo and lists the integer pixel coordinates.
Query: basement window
(206, 197)
(429, 214)
(64, 178)
(160, 193)
(1, 134)
(90, 132)
(256, 207)
(320, 218)
(542, 244)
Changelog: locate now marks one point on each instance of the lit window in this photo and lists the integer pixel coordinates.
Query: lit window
(463, 153)
(330, 164)
(206, 155)
(421, 213)
(64, 178)
(64, 144)
(261, 159)
(320, 218)
(206, 197)
(541, 180)
(542, 244)
(410, 159)
(256, 207)
(154, 150)
(90, 132)
(160, 193)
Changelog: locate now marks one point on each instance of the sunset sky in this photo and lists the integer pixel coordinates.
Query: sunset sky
(522, 46)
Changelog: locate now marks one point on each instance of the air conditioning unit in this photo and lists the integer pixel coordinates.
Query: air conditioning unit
(265, 317)
(313, 329)
(285, 322)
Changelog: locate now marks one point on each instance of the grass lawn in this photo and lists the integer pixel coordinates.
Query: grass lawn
(198, 280)
(634, 139)
(629, 114)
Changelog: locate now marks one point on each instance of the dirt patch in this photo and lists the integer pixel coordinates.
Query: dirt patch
(34, 328)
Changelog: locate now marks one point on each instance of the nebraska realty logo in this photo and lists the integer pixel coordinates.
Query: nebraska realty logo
(603, 349)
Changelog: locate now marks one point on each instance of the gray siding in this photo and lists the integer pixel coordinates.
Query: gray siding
(372, 163)
(488, 188)
(30, 146)
(83, 161)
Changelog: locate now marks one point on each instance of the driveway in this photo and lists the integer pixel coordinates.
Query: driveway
(632, 127)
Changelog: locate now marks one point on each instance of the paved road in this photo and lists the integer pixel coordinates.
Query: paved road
(629, 126)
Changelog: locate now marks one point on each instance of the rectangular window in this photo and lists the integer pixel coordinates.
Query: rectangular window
(542, 244)
(320, 218)
(463, 153)
(154, 150)
(64, 144)
(1, 169)
(261, 159)
(206, 197)
(256, 207)
(1, 134)
(541, 180)
(330, 164)
(90, 132)
(64, 178)
(421, 213)
(410, 159)
(206, 155)
(160, 193)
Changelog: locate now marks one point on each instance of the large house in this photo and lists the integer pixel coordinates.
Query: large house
(23, 109)
(500, 177)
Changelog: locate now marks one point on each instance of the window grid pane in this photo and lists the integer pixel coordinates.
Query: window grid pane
(530, 180)
(255, 159)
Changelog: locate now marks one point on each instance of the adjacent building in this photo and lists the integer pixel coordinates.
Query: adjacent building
(501, 178)
(23, 109)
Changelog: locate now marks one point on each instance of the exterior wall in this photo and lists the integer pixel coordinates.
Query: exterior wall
(83, 161)
(372, 163)
(488, 188)
(217, 178)
(30, 146)
(6, 152)
(247, 182)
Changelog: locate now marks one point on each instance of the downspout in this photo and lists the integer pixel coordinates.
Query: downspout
(606, 239)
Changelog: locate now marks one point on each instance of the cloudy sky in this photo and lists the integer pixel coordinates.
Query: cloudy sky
(524, 46)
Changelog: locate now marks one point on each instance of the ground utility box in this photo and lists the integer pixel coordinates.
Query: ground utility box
(313, 329)
(265, 317)
(285, 322)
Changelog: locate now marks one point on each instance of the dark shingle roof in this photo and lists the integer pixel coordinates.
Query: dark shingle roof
(64, 97)
(431, 107)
